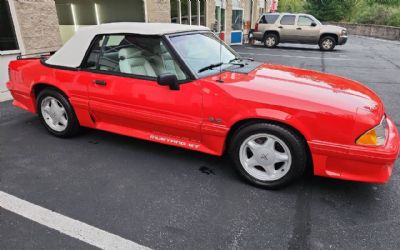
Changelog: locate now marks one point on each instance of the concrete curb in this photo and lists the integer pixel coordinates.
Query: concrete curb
(5, 96)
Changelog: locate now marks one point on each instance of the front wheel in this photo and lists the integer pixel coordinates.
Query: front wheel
(327, 43)
(56, 113)
(268, 155)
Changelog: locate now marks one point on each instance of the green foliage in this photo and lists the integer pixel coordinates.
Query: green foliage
(292, 6)
(384, 12)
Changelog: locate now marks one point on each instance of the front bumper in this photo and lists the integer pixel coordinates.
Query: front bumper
(354, 162)
(342, 40)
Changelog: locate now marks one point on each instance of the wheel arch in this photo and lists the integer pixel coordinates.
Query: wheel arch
(40, 86)
(271, 32)
(301, 132)
(329, 34)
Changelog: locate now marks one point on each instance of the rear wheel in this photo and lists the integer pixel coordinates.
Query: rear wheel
(327, 43)
(268, 155)
(271, 40)
(56, 113)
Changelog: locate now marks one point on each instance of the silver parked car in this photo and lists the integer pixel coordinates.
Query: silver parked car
(274, 28)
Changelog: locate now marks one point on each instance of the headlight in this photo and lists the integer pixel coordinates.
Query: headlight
(375, 136)
(344, 32)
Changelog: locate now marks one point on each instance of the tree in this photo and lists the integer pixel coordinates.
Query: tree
(333, 10)
(291, 5)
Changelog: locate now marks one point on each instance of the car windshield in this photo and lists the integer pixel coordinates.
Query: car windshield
(202, 50)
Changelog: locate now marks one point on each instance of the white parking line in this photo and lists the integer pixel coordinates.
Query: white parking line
(74, 228)
(303, 57)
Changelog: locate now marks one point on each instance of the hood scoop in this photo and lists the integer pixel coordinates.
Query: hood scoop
(247, 68)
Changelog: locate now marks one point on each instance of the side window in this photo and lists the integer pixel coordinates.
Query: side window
(93, 57)
(304, 21)
(288, 19)
(269, 19)
(135, 55)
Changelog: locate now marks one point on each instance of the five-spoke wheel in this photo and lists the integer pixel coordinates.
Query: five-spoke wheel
(56, 113)
(268, 155)
(265, 157)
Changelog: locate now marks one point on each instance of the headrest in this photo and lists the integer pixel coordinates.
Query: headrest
(130, 52)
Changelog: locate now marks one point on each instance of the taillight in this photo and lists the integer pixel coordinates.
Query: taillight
(256, 28)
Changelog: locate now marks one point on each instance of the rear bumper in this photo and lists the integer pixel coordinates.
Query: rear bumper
(258, 36)
(354, 162)
(21, 99)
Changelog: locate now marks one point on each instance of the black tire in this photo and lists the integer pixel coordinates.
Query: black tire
(274, 40)
(72, 127)
(294, 142)
(327, 40)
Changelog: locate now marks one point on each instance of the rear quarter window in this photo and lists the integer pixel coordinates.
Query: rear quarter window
(269, 19)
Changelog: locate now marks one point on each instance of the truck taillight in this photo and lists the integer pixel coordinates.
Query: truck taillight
(256, 28)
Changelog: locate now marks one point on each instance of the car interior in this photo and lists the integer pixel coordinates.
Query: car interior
(142, 56)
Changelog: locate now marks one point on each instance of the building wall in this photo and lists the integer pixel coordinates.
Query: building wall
(37, 24)
(4, 60)
(158, 11)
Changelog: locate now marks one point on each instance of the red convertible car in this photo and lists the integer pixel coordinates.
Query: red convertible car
(180, 85)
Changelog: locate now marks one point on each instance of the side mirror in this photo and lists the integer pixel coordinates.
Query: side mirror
(313, 24)
(168, 79)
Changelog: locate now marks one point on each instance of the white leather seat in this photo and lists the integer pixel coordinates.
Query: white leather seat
(132, 61)
(164, 63)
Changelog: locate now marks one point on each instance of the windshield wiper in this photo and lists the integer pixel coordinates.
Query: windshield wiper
(211, 66)
(235, 59)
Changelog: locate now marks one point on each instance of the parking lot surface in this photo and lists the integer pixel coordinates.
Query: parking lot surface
(164, 197)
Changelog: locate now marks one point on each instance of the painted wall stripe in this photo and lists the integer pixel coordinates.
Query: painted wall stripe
(74, 228)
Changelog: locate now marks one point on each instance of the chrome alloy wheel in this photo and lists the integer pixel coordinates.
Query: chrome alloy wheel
(327, 44)
(265, 157)
(270, 41)
(54, 114)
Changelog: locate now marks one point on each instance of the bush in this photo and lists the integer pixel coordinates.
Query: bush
(378, 14)
(383, 12)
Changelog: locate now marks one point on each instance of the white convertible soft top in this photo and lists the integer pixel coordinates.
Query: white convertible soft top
(73, 51)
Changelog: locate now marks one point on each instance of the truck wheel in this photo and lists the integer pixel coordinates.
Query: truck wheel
(271, 40)
(268, 155)
(56, 113)
(327, 43)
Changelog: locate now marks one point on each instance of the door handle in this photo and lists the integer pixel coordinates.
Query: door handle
(298, 28)
(280, 27)
(100, 82)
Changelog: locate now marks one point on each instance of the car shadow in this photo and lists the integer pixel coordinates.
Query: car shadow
(295, 48)
(201, 163)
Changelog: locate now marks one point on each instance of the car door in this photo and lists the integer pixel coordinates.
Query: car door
(124, 96)
(307, 30)
(287, 28)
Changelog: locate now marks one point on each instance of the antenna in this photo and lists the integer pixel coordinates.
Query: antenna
(220, 60)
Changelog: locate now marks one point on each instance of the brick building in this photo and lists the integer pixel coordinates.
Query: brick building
(31, 26)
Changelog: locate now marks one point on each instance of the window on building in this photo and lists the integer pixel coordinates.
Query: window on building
(304, 21)
(237, 19)
(73, 14)
(269, 19)
(288, 20)
(133, 55)
(8, 40)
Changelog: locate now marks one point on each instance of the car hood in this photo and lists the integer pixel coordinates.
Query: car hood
(332, 28)
(304, 89)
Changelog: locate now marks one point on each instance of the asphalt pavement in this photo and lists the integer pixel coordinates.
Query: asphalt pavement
(164, 197)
